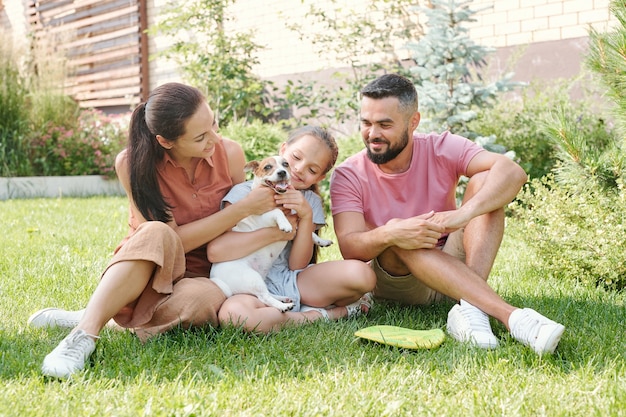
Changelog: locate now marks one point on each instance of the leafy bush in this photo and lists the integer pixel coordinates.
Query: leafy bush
(576, 216)
(213, 56)
(518, 124)
(88, 149)
(578, 236)
(42, 130)
(348, 146)
(258, 139)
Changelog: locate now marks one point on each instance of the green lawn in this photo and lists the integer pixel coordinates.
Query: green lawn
(53, 251)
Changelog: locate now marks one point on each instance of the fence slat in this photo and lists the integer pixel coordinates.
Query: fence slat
(104, 45)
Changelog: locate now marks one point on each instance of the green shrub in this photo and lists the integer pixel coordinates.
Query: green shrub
(578, 236)
(213, 54)
(42, 130)
(576, 217)
(258, 139)
(348, 146)
(49, 107)
(518, 124)
(87, 149)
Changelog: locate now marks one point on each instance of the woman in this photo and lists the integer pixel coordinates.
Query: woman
(175, 170)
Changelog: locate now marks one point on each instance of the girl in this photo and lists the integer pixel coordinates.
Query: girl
(344, 285)
(175, 170)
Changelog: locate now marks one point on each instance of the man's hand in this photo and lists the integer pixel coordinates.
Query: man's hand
(451, 220)
(418, 232)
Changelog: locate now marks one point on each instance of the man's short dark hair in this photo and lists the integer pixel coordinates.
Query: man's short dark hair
(393, 85)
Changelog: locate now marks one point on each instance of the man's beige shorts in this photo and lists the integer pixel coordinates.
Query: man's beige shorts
(409, 290)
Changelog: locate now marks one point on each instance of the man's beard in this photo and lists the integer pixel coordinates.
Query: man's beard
(391, 153)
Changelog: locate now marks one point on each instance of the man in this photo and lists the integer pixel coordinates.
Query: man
(394, 204)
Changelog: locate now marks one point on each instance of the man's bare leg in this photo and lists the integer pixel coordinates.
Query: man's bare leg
(447, 275)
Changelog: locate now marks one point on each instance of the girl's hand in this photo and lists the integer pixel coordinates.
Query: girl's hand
(294, 200)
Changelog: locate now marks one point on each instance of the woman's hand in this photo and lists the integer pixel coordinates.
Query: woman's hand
(260, 200)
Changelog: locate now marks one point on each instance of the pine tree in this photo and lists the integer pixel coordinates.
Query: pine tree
(583, 163)
(607, 58)
(447, 72)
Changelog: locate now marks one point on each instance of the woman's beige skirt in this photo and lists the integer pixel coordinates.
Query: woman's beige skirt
(172, 297)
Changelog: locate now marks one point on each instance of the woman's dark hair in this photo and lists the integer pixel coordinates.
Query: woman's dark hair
(165, 113)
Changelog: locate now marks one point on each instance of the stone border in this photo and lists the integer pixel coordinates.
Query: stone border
(52, 187)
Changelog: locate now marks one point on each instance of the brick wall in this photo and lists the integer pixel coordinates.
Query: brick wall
(502, 24)
(516, 22)
(505, 24)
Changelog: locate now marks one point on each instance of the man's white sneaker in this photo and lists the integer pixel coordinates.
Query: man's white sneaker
(467, 323)
(70, 355)
(55, 317)
(534, 330)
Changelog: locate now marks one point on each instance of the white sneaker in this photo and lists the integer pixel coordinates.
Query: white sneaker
(55, 317)
(467, 323)
(70, 355)
(534, 330)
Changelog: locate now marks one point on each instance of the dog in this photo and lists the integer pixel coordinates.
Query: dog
(247, 275)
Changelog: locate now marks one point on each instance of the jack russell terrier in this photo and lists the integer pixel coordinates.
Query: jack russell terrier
(247, 275)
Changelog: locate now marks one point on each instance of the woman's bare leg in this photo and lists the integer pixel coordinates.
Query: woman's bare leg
(121, 284)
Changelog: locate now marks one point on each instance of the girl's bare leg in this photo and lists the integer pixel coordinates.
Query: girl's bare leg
(335, 282)
(252, 315)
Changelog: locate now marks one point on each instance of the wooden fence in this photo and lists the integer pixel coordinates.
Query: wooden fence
(105, 44)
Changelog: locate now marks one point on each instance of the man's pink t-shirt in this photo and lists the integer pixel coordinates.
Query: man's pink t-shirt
(438, 161)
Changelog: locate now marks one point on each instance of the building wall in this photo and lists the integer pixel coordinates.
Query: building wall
(500, 23)
(518, 22)
(161, 71)
(13, 20)
(546, 38)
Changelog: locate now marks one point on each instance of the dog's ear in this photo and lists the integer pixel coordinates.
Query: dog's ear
(251, 166)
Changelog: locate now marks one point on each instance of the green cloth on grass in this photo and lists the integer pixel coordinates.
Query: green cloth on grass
(403, 337)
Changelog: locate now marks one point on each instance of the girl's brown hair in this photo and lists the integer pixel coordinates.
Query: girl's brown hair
(324, 136)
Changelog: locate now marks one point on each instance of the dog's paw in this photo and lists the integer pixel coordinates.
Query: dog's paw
(287, 228)
(324, 242)
(286, 307)
(321, 242)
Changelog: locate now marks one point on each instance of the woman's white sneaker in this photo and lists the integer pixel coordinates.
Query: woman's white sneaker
(55, 317)
(534, 330)
(70, 355)
(467, 323)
